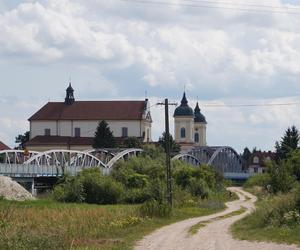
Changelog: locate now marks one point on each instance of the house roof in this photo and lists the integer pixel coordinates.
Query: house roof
(91, 110)
(42, 140)
(3, 146)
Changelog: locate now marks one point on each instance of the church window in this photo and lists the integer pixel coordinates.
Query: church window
(77, 132)
(124, 132)
(47, 132)
(196, 137)
(182, 132)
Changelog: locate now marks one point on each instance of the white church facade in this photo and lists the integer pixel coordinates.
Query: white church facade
(190, 126)
(72, 124)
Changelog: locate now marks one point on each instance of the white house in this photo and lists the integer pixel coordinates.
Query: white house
(72, 124)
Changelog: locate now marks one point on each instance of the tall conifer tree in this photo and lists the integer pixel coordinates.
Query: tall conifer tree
(104, 136)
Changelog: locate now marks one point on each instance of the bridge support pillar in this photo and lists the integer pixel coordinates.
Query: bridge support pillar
(33, 190)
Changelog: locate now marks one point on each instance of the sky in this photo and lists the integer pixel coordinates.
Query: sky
(115, 50)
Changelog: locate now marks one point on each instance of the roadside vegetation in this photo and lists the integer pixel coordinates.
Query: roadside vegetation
(277, 217)
(96, 211)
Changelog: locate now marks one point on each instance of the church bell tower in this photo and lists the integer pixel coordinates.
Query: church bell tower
(69, 100)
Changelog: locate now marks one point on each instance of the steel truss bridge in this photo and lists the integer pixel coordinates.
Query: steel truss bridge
(224, 159)
(54, 163)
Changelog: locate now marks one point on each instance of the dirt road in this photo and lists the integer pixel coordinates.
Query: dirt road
(214, 236)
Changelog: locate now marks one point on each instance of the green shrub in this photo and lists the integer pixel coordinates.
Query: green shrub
(281, 178)
(69, 191)
(153, 208)
(136, 195)
(262, 180)
(137, 181)
(102, 191)
(157, 190)
(132, 142)
(153, 152)
(272, 212)
(183, 175)
(199, 188)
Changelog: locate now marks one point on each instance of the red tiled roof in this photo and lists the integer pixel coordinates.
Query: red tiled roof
(91, 110)
(3, 146)
(42, 140)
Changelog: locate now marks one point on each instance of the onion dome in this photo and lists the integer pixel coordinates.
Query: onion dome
(184, 109)
(199, 117)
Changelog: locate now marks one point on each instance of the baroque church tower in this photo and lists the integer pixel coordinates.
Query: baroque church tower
(190, 125)
(69, 100)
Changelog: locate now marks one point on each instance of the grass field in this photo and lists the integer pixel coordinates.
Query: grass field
(251, 227)
(44, 224)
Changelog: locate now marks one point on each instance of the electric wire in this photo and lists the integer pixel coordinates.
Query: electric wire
(255, 10)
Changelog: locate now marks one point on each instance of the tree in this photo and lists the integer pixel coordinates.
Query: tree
(104, 136)
(281, 177)
(22, 139)
(174, 147)
(132, 142)
(289, 143)
(246, 154)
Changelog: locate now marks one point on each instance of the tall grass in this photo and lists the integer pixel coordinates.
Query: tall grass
(51, 225)
(277, 218)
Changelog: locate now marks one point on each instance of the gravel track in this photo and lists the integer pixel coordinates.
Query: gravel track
(214, 236)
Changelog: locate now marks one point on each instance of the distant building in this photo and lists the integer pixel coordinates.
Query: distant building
(72, 124)
(258, 160)
(3, 146)
(190, 125)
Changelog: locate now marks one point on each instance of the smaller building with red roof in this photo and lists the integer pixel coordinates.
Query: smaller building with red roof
(3, 146)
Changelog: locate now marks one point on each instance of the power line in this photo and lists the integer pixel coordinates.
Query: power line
(244, 4)
(250, 105)
(261, 11)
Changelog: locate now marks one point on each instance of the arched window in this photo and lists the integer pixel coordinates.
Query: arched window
(182, 132)
(196, 137)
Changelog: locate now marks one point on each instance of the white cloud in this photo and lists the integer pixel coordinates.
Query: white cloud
(120, 49)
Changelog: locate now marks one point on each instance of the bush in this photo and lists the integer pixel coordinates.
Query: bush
(101, 190)
(89, 186)
(262, 180)
(281, 179)
(199, 188)
(157, 190)
(132, 142)
(183, 175)
(137, 181)
(294, 162)
(69, 191)
(136, 195)
(153, 208)
(273, 212)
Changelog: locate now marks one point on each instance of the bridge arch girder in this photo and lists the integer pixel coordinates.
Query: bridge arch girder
(104, 155)
(188, 158)
(14, 156)
(124, 155)
(226, 159)
(62, 158)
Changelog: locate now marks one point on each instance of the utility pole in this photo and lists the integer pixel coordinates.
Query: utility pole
(168, 156)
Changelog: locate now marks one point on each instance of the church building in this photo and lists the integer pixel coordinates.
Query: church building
(190, 125)
(72, 124)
